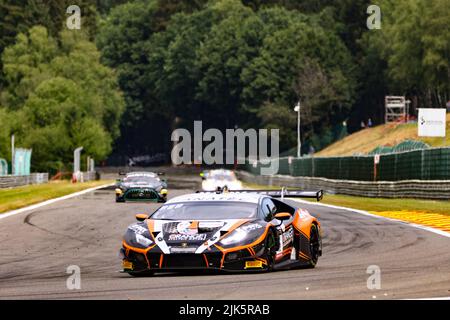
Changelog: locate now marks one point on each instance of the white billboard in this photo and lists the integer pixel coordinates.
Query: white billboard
(432, 122)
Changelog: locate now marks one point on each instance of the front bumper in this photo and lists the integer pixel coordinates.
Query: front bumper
(214, 260)
(141, 195)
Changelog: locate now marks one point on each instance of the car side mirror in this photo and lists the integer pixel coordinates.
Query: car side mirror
(141, 217)
(283, 216)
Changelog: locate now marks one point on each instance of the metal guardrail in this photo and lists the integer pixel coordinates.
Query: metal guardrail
(420, 189)
(11, 181)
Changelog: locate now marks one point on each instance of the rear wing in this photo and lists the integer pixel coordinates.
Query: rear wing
(283, 193)
(125, 173)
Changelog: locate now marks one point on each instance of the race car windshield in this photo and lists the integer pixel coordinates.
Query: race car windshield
(141, 179)
(206, 211)
(222, 177)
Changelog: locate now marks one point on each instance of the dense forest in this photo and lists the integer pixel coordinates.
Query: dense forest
(137, 70)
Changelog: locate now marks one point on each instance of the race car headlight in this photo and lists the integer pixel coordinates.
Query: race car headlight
(243, 235)
(119, 191)
(164, 192)
(137, 237)
(144, 241)
(236, 237)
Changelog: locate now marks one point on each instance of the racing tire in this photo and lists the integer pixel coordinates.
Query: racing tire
(270, 243)
(141, 274)
(162, 200)
(314, 246)
(118, 200)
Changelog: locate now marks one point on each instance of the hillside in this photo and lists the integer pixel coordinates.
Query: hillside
(366, 140)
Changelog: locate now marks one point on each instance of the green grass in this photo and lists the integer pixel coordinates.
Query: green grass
(366, 140)
(254, 186)
(376, 204)
(381, 204)
(15, 198)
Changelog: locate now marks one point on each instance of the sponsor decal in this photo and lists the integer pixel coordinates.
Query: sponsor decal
(250, 227)
(287, 237)
(187, 237)
(182, 250)
(303, 214)
(253, 264)
(211, 224)
(127, 265)
(171, 207)
(187, 228)
(137, 229)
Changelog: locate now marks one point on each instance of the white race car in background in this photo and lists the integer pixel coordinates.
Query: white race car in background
(215, 179)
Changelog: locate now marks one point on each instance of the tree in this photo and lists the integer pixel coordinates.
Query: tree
(155, 61)
(17, 16)
(413, 50)
(301, 60)
(124, 40)
(228, 49)
(5, 132)
(60, 102)
(273, 115)
(317, 95)
(221, 63)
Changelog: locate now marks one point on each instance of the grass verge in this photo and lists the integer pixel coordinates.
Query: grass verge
(15, 198)
(366, 140)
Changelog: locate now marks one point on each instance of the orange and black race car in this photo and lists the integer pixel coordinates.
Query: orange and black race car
(224, 230)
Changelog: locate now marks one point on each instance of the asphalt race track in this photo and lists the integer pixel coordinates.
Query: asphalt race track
(38, 246)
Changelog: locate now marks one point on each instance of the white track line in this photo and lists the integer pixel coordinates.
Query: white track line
(436, 299)
(47, 202)
(418, 226)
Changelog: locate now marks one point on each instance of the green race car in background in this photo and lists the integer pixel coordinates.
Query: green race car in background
(141, 186)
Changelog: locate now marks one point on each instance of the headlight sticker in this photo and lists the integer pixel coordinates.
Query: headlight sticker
(241, 233)
(250, 227)
(143, 240)
(235, 237)
(138, 229)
